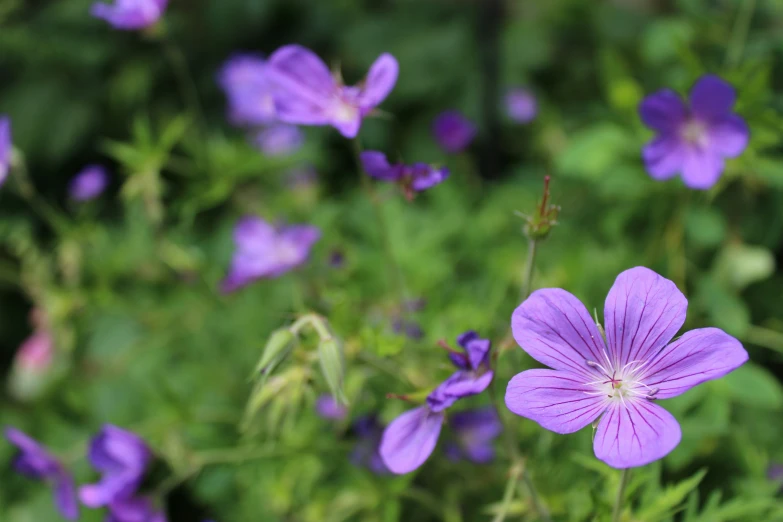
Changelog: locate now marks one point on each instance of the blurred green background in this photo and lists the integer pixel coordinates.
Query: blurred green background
(129, 283)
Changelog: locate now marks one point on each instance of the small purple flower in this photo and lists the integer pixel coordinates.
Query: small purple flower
(245, 81)
(619, 380)
(521, 105)
(366, 452)
(130, 15)
(89, 183)
(279, 140)
(411, 438)
(36, 462)
(330, 409)
(134, 509)
(453, 131)
(411, 178)
(5, 148)
(775, 472)
(122, 458)
(474, 431)
(265, 252)
(306, 93)
(693, 141)
(411, 329)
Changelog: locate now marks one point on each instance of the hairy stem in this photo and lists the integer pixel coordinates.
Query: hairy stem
(530, 263)
(618, 503)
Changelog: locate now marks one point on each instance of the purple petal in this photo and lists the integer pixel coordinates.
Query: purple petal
(253, 230)
(453, 131)
(89, 183)
(426, 176)
(698, 356)
(34, 460)
(702, 168)
(712, 97)
(643, 312)
(635, 433)
(330, 409)
(728, 135)
(245, 80)
(304, 87)
(664, 157)
(555, 328)
(460, 384)
(279, 140)
(663, 111)
(559, 401)
(410, 439)
(65, 496)
(475, 430)
(476, 348)
(521, 105)
(347, 123)
(379, 82)
(5, 147)
(130, 14)
(376, 165)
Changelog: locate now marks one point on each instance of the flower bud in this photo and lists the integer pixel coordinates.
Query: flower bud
(276, 349)
(330, 355)
(32, 368)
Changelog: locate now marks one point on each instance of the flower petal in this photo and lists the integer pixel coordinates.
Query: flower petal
(663, 157)
(476, 348)
(663, 111)
(702, 168)
(376, 165)
(65, 496)
(558, 401)
(426, 176)
(253, 230)
(712, 97)
(379, 82)
(635, 433)
(410, 439)
(729, 136)
(555, 328)
(304, 87)
(698, 356)
(643, 312)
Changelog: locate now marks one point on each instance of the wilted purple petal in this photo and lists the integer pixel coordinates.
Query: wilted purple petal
(701, 169)
(130, 14)
(712, 97)
(379, 82)
(376, 165)
(728, 135)
(663, 111)
(5, 148)
(89, 183)
(461, 384)
(453, 131)
(664, 157)
(521, 105)
(410, 439)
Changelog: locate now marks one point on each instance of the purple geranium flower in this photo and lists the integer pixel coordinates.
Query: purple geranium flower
(130, 15)
(245, 81)
(693, 141)
(36, 462)
(453, 131)
(410, 439)
(366, 452)
(307, 94)
(621, 378)
(122, 458)
(265, 252)
(279, 140)
(411, 178)
(134, 509)
(328, 408)
(89, 183)
(474, 431)
(521, 105)
(5, 148)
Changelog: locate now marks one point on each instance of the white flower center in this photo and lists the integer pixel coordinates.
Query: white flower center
(694, 132)
(344, 112)
(620, 384)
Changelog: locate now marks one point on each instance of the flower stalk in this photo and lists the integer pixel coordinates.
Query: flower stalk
(617, 512)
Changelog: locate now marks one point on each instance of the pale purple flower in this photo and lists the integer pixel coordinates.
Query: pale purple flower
(693, 140)
(130, 15)
(36, 462)
(122, 458)
(263, 251)
(411, 178)
(328, 408)
(775, 472)
(453, 131)
(619, 380)
(5, 148)
(245, 81)
(279, 140)
(474, 433)
(306, 93)
(89, 183)
(411, 438)
(366, 452)
(521, 105)
(134, 509)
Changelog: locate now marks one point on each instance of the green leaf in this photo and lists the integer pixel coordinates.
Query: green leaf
(752, 385)
(666, 503)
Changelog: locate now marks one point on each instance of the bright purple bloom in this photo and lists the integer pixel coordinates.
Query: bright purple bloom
(130, 15)
(122, 458)
(36, 462)
(412, 178)
(262, 251)
(330, 409)
(410, 439)
(279, 140)
(89, 183)
(474, 431)
(306, 93)
(5, 148)
(521, 105)
(453, 131)
(245, 81)
(134, 509)
(366, 452)
(621, 378)
(693, 141)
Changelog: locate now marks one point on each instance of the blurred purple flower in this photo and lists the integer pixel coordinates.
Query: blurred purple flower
(336, 259)
(330, 409)
(122, 458)
(521, 105)
(134, 509)
(89, 183)
(453, 131)
(693, 140)
(36, 462)
(36, 353)
(279, 140)
(411, 178)
(5, 148)
(265, 252)
(411, 329)
(245, 81)
(366, 452)
(306, 93)
(618, 380)
(130, 15)
(411, 438)
(474, 431)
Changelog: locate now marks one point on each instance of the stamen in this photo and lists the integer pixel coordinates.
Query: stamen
(593, 364)
(652, 395)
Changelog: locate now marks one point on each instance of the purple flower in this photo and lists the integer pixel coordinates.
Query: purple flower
(453, 131)
(265, 252)
(621, 378)
(521, 105)
(693, 141)
(245, 81)
(134, 509)
(474, 431)
(330, 409)
(775, 472)
(36, 462)
(130, 15)
(279, 140)
(306, 93)
(366, 452)
(410, 439)
(411, 178)
(89, 183)
(122, 458)
(5, 148)
(411, 329)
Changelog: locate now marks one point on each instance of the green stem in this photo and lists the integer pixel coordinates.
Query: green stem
(530, 263)
(618, 503)
(508, 495)
(739, 33)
